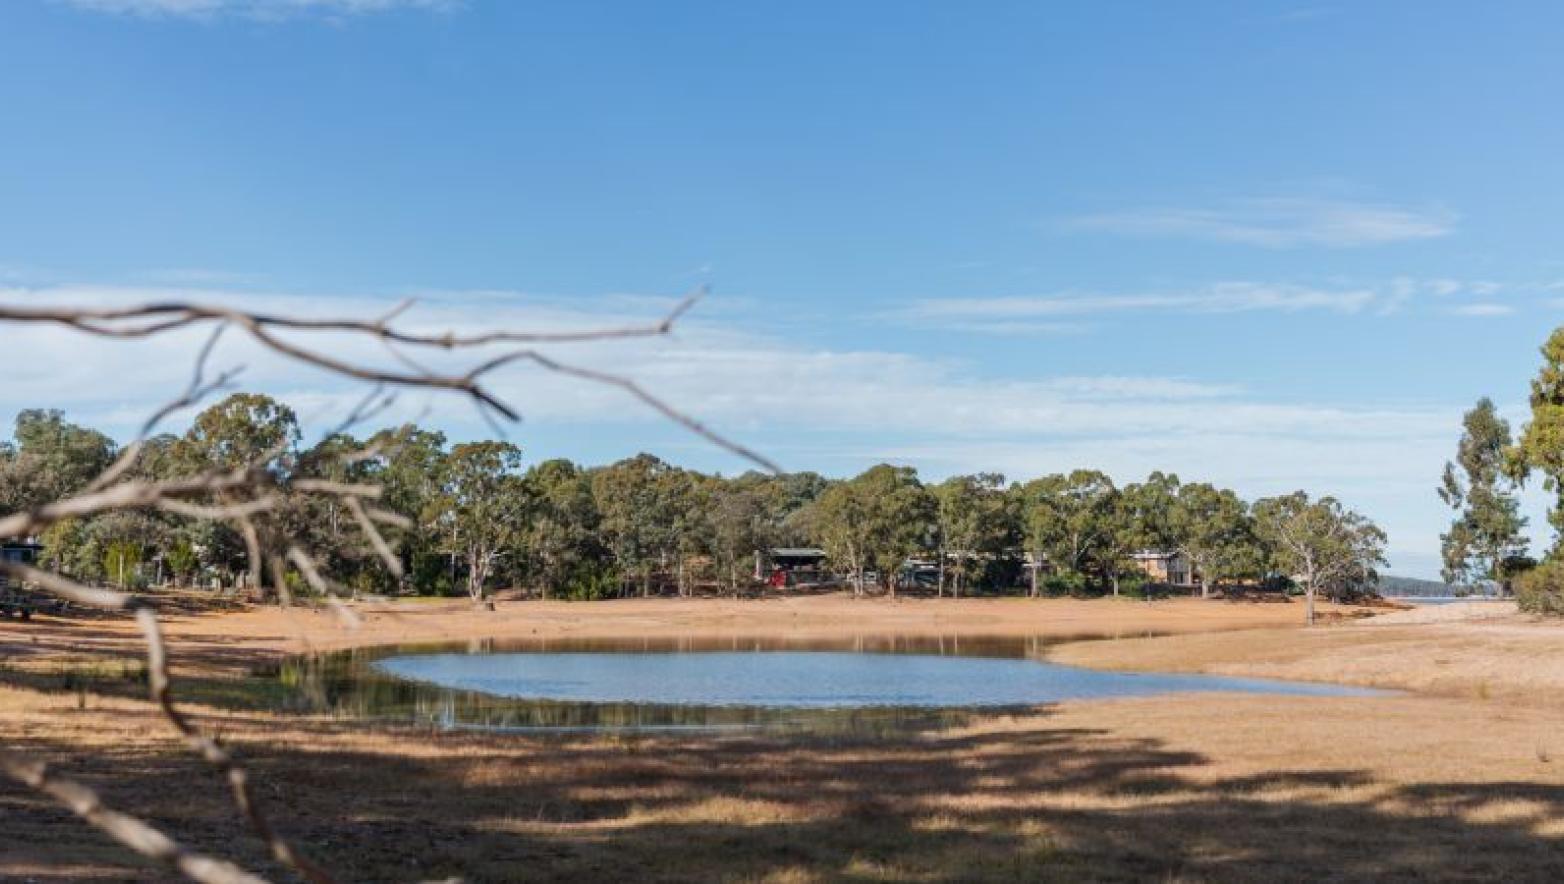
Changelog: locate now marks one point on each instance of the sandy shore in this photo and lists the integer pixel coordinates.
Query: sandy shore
(262, 632)
(1482, 650)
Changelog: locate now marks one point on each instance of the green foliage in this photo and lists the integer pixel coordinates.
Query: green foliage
(242, 429)
(1136, 585)
(640, 502)
(182, 560)
(1487, 527)
(485, 507)
(589, 581)
(121, 561)
(52, 458)
(561, 537)
(875, 521)
(564, 530)
(741, 522)
(71, 548)
(1541, 589)
(1213, 528)
(1066, 583)
(1323, 545)
(1073, 521)
(976, 522)
(1541, 446)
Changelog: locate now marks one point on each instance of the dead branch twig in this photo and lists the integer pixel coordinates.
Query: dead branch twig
(124, 828)
(217, 756)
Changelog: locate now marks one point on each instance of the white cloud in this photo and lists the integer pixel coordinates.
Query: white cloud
(257, 9)
(809, 407)
(1278, 222)
(1482, 309)
(1063, 312)
(1232, 297)
(720, 369)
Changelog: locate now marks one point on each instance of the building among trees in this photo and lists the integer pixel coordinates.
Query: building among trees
(1165, 566)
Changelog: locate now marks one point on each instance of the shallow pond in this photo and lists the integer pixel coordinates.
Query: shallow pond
(856, 685)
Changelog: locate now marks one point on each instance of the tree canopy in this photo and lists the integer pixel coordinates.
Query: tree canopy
(474, 517)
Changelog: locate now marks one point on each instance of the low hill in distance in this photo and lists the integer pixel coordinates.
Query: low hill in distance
(1414, 587)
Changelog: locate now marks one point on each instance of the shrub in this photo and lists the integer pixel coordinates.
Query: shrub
(1071, 583)
(1541, 590)
(1134, 584)
(590, 582)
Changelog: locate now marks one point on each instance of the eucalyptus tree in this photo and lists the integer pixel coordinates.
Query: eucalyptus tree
(840, 522)
(742, 521)
(243, 429)
(1486, 532)
(876, 520)
(50, 459)
(1213, 529)
(1321, 544)
(974, 520)
(561, 536)
(688, 500)
(1068, 520)
(409, 463)
(1541, 446)
(790, 497)
(634, 501)
(1138, 518)
(485, 508)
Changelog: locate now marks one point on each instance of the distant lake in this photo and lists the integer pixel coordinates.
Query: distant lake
(853, 685)
(1438, 600)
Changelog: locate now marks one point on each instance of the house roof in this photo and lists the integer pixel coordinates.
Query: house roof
(796, 551)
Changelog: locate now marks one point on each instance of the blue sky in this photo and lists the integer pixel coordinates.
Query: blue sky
(1275, 245)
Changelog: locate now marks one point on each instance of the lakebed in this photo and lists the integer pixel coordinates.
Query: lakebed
(1456, 778)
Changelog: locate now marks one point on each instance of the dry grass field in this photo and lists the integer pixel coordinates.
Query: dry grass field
(1463, 778)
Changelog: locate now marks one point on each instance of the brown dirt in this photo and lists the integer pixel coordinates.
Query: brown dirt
(1482, 651)
(1180, 787)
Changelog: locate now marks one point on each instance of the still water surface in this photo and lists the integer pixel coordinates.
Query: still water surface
(856, 685)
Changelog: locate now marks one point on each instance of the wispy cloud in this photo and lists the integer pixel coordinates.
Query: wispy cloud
(1277, 222)
(1482, 309)
(1069, 312)
(1403, 289)
(256, 9)
(732, 374)
(1003, 313)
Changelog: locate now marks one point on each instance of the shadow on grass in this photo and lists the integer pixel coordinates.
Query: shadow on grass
(1013, 799)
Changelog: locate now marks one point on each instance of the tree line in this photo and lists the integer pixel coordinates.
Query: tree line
(476, 518)
(1485, 545)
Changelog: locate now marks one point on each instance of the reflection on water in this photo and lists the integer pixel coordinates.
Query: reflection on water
(863, 685)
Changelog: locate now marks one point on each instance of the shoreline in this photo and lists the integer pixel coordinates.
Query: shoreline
(256, 634)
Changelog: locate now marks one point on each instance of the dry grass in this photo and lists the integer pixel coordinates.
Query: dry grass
(1492, 653)
(1190, 787)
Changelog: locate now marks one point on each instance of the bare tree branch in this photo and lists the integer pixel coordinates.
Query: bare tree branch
(126, 829)
(217, 756)
(126, 495)
(383, 549)
(151, 319)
